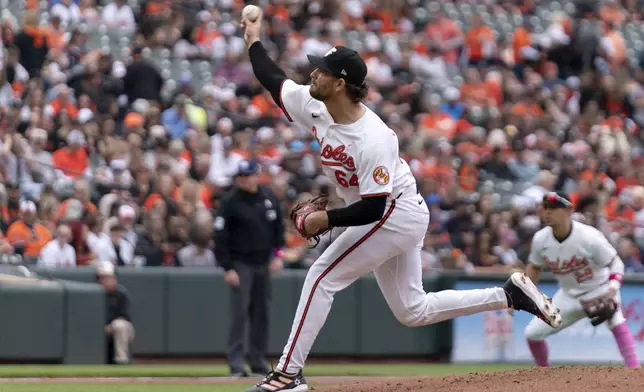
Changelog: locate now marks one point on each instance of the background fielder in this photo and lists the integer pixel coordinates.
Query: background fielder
(587, 269)
(386, 217)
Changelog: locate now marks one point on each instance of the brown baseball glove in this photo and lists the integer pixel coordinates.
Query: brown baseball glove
(302, 210)
(600, 309)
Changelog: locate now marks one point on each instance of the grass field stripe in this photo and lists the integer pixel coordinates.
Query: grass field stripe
(329, 268)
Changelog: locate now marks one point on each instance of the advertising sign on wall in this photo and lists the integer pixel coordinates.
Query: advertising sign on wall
(498, 337)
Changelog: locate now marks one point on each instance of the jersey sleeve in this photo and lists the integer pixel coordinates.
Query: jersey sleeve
(602, 251)
(293, 99)
(376, 164)
(536, 258)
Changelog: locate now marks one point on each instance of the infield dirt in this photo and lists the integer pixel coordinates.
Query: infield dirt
(555, 379)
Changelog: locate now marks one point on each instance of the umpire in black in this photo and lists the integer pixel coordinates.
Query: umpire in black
(249, 234)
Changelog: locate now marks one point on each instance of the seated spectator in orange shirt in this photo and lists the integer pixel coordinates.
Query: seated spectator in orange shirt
(438, 124)
(55, 33)
(63, 102)
(520, 40)
(628, 177)
(82, 194)
(164, 190)
(72, 160)
(474, 92)
(480, 41)
(27, 236)
(446, 33)
(205, 34)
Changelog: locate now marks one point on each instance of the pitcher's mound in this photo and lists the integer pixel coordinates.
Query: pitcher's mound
(554, 379)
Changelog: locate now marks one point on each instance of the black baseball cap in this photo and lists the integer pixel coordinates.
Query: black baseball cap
(343, 63)
(556, 200)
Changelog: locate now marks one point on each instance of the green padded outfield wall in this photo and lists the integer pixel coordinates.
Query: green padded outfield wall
(196, 308)
(52, 321)
(33, 322)
(148, 290)
(84, 323)
(184, 312)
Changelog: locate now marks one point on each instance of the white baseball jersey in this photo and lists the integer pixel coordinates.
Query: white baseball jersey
(580, 262)
(361, 158)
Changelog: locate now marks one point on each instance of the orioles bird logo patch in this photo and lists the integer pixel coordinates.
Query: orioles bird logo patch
(381, 175)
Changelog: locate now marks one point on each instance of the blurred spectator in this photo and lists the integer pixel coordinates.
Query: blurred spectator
(31, 43)
(198, 253)
(68, 12)
(26, 234)
(119, 15)
(142, 79)
(151, 244)
(58, 253)
(82, 195)
(116, 251)
(72, 161)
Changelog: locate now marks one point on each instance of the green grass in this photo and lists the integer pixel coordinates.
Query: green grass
(220, 370)
(214, 370)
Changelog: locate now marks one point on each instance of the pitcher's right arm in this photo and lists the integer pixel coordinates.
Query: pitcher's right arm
(288, 95)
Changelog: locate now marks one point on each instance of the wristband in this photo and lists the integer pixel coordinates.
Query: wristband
(617, 277)
(615, 280)
(279, 252)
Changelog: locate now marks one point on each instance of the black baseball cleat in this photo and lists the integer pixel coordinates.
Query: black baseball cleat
(524, 295)
(279, 381)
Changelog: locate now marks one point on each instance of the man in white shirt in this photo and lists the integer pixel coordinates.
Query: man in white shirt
(126, 217)
(58, 253)
(117, 251)
(119, 15)
(68, 12)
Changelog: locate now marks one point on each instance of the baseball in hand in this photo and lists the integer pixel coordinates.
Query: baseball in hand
(250, 13)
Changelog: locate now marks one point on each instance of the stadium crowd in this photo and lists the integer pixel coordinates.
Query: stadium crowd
(122, 122)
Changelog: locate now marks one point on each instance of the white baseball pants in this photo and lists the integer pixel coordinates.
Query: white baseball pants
(571, 312)
(391, 249)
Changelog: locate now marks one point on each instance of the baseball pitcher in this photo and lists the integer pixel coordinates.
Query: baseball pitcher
(385, 217)
(589, 273)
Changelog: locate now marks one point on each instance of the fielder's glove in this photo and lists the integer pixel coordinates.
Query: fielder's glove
(302, 210)
(600, 309)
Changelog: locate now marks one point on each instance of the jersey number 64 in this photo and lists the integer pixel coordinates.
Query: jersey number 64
(341, 178)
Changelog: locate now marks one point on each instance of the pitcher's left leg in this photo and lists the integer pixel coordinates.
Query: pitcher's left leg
(400, 280)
